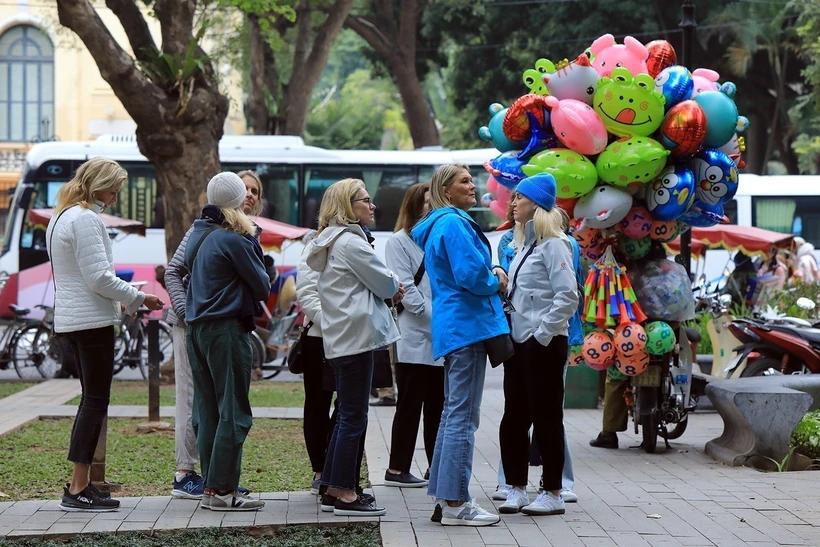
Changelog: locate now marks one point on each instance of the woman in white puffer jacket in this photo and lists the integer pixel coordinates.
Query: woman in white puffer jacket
(86, 308)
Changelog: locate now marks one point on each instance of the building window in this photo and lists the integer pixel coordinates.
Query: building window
(26, 85)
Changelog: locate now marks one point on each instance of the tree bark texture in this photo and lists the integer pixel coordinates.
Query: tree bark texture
(392, 35)
(181, 142)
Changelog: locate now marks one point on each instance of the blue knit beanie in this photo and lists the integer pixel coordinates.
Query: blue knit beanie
(540, 189)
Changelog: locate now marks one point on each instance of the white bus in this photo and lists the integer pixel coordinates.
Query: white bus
(294, 177)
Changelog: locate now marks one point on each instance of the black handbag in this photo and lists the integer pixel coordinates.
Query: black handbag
(499, 349)
(296, 363)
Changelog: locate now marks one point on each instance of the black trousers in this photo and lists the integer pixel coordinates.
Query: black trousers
(419, 386)
(93, 351)
(533, 396)
(317, 425)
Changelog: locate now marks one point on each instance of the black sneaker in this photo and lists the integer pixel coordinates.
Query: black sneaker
(369, 498)
(100, 493)
(436, 513)
(403, 480)
(357, 508)
(605, 440)
(87, 500)
(427, 474)
(328, 503)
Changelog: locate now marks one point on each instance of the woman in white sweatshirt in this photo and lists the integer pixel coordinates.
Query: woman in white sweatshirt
(86, 308)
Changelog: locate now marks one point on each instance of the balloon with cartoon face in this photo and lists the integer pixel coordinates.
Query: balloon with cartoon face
(675, 84)
(716, 176)
(631, 161)
(574, 174)
(533, 77)
(576, 80)
(671, 194)
(721, 114)
(629, 105)
(604, 207)
(703, 215)
(506, 168)
(493, 132)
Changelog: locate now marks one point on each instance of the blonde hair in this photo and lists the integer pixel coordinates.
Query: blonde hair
(443, 178)
(257, 208)
(547, 224)
(94, 176)
(337, 204)
(237, 221)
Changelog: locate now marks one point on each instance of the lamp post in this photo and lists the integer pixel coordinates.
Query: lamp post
(687, 25)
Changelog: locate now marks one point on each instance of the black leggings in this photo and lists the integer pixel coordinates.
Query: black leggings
(317, 424)
(94, 355)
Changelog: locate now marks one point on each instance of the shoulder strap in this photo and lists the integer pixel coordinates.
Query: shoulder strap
(208, 232)
(51, 250)
(419, 274)
(518, 269)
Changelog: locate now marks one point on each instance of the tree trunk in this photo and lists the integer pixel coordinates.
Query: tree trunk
(417, 112)
(257, 109)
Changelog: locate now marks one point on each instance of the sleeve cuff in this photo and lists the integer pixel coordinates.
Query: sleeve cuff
(134, 306)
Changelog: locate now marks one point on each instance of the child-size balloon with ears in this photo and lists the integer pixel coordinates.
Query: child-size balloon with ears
(675, 84)
(493, 132)
(629, 105)
(604, 207)
(703, 215)
(577, 126)
(734, 149)
(661, 55)
(608, 55)
(532, 77)
(575, 175)
(716, 176)
(577, 80)
(527, 123)
(506, 168)
(684, 128)
(631, 161)
(704, 79)
(721, 114)
(671, 194)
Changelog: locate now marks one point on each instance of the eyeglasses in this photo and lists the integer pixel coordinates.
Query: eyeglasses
(367, 201)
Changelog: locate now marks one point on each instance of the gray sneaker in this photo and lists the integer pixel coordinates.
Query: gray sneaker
(467, 514)
(314, 486)
(545, 504)
(234, 501)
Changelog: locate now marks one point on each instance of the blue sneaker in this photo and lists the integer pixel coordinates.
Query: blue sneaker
(189, 488)
(242, 490)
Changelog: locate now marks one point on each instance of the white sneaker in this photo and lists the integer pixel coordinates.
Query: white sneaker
(501, 492)
(516, 499)
(569, 496)
(545, 504)
(467, 514)
(234, 501)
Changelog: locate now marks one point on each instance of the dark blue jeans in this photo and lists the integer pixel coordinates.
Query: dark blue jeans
(353, 376)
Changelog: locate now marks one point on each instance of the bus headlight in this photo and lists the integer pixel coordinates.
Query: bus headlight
(4, 278)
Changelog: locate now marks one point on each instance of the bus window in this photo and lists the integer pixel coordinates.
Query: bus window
(386, 185)
(730, 210)
(279, 189)
(785, 214)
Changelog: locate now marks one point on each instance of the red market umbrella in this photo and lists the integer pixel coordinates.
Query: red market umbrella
(275, 233)
(43, 216)
(749, 239)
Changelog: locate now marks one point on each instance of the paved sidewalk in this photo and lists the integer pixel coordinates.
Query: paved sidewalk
(627, 498)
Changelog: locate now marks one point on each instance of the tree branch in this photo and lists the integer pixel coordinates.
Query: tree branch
(115, 65)
(303, 29)
(326, 35)
(386, 16)
(408, 27)
(176, 19)
(368, 30)
(133, 22)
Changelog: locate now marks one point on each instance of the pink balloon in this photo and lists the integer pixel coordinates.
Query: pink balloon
(503, 194)
(492, 184)
(499, 210)
(577, 126)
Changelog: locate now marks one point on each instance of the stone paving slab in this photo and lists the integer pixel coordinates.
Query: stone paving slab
(700, 502)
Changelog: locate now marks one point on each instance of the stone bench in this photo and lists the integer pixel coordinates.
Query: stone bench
(759, 416)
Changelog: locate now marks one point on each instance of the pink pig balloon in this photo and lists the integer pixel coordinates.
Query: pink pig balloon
(577, 126)
(704, 79)
(631, 55)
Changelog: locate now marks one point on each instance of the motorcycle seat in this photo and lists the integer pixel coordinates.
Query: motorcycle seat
(811, 335)
(693, 335)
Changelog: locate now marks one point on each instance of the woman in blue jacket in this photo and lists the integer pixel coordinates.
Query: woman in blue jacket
(467, 311)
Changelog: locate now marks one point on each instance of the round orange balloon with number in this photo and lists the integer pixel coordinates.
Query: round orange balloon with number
(576, 355)
(632, 365)
(664, 230)
(630, 339)
(598, 349)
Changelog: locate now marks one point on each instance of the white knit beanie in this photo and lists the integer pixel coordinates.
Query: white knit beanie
(226, 191)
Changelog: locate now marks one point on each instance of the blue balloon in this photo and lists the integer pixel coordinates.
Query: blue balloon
(676, 84)
(716, 176)
(494, 131)
(506, 169)
(703, 215)
(721, 117)
(671, 193)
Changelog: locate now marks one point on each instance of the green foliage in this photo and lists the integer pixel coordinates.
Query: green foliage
(10, 388)
(34, 465)
(700, 324)
(783, 465)
(807, 111)
(806, 436)
(363, 534)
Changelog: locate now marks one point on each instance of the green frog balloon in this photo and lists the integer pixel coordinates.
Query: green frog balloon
(629, 105)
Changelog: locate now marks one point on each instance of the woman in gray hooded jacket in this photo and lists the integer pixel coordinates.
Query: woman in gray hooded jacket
(353, 284)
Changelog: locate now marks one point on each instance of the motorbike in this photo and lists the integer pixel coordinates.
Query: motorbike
(661, 397)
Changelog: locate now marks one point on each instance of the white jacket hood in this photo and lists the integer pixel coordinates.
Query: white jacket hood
(319, 247)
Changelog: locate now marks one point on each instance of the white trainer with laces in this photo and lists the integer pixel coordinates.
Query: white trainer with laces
(467, 514)
(501, 492)
(546, 503)
(234, 501)
(516, 499)
(569, 496)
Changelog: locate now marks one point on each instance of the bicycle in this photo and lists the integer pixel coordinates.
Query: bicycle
(271, 346)
(131, 343)
(35, 349)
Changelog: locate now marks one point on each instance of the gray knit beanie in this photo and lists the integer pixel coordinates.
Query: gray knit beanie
(226, 191)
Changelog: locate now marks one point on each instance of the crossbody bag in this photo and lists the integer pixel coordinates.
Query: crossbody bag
(51, 262)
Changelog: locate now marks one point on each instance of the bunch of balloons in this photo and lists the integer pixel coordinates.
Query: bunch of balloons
(639, 146)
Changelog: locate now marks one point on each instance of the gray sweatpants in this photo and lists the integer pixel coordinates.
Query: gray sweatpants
(187, 453)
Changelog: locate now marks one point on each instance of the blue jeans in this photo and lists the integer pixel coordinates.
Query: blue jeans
(353, 376)
(452, 466)
(567, 474)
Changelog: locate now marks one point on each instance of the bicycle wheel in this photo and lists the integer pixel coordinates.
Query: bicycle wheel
(121, 343)
(166, 347)
(34, 353)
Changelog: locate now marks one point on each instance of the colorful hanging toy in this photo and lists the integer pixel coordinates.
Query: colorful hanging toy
(609, 299)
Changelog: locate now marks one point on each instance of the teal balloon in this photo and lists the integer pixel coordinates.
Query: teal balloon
(721, 117)
(614, 373)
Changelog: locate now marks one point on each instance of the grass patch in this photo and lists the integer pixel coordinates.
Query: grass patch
(10, 388)
(35, 466)
(263, 393)
(364, 534)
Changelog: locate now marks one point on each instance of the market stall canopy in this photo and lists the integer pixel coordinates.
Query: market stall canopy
(128, 226)
(275, 233)
(732, 237)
